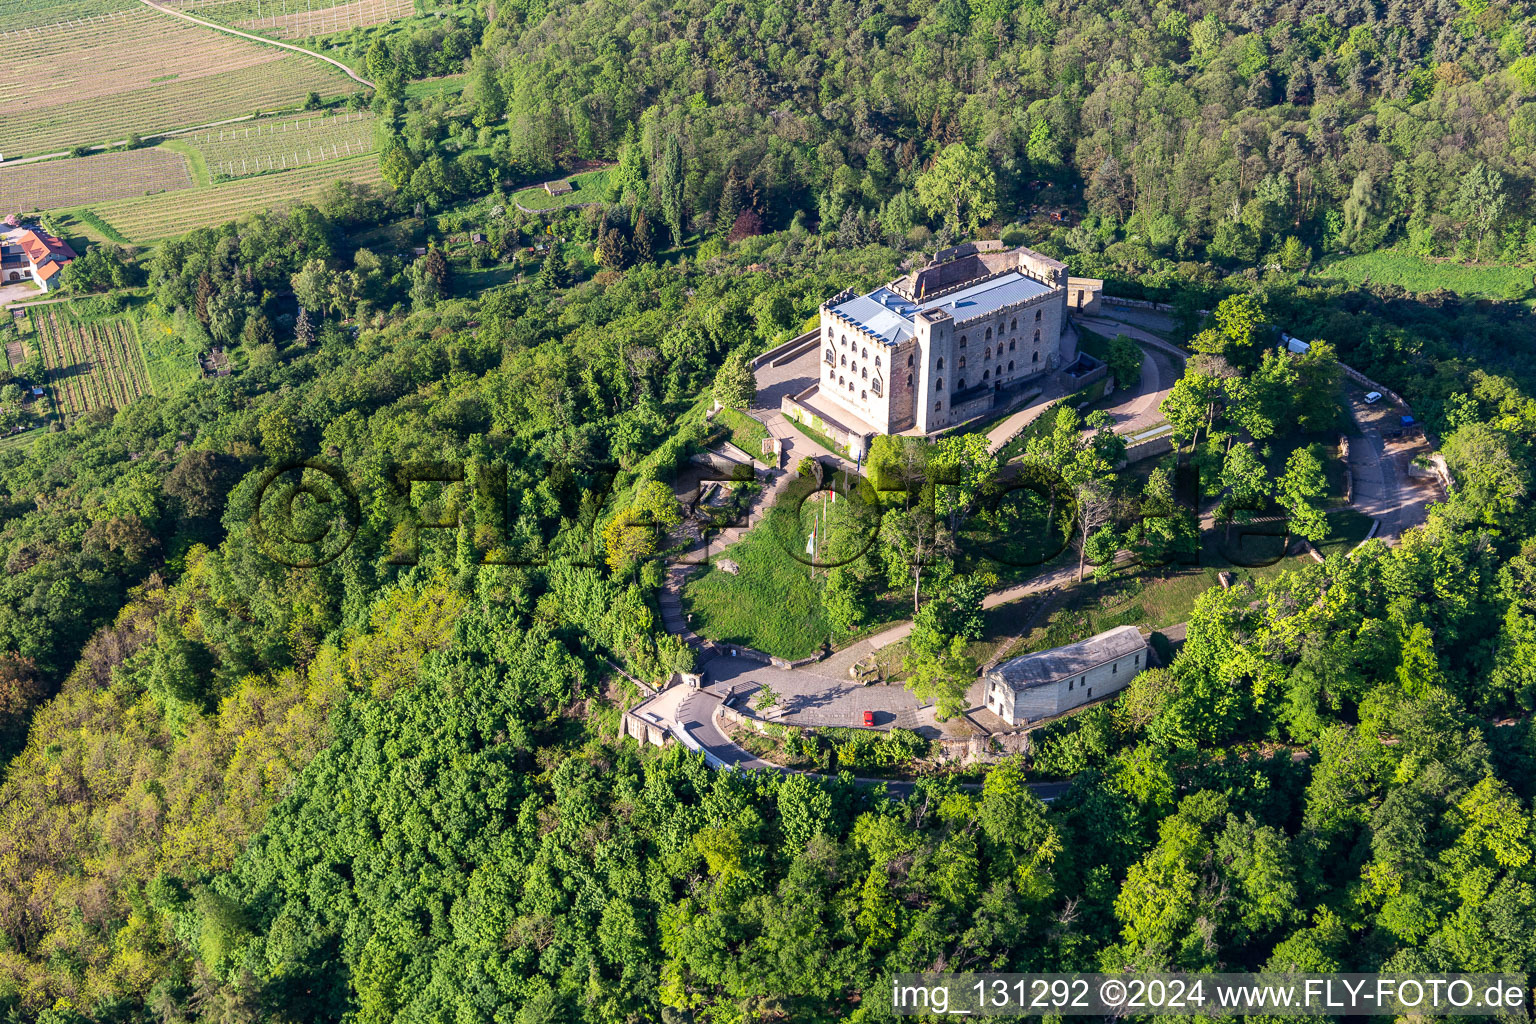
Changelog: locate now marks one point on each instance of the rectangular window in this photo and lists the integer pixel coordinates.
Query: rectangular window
(1090, 693)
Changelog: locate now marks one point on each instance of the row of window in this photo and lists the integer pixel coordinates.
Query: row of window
(938, 383)
(1013, 325)
(863, 395)
(858, 353)
(939, 365)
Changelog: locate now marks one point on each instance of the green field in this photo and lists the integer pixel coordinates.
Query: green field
(1418, 274)
(586, 188)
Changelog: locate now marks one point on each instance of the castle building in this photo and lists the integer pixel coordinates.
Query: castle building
(1047, 683)
(945, 343)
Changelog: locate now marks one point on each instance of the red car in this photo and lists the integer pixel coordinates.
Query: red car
(869, 718)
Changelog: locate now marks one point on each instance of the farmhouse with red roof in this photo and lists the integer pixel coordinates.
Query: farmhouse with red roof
(36, 254)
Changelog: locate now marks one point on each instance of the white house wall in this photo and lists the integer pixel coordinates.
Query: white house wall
(1032, 703)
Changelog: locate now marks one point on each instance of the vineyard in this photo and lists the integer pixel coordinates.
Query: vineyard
(90, 365)
(26, 18)
(152, 218)
(297, 19)
(56, 184)
(241, 150)
(323, 21)
(101, 78)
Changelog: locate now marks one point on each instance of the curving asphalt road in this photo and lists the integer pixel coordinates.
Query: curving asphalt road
(821, 694)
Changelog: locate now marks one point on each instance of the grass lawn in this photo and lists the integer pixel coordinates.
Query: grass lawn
(586, 188)
(746, 433)
(1042, 425)
(1161, 597)
(23, 439)
(441, 88)
(196, 163)
(816, 435)
(170, 362)
(773, 604)
(1419, 274)
(469, 282)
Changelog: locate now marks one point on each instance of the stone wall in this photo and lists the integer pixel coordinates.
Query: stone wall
(1150, 448)
(645, 731)
(794, 408)
(791, 350)
(1085, 294)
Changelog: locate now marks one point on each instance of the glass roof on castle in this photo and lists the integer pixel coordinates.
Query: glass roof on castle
(884, 313)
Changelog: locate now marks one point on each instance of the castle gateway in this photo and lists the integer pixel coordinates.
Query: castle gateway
(946, 343)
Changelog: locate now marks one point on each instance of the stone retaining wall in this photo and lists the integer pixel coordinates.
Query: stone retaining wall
(1149, 448)
(794, 348)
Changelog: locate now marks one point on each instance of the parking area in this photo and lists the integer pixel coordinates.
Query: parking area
(1379, 457)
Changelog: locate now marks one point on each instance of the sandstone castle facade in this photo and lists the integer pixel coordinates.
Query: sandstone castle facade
(945, 343)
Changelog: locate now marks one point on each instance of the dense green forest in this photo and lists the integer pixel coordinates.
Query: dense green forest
(235, 790)
(1215, 131)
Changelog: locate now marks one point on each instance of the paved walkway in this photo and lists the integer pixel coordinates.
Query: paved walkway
(1162, 365)
(824, 694)
(1378, 462)
(1056, 388)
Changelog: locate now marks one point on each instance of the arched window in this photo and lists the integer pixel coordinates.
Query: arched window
(877, 362)
(874, 386)
(845, 341)
(962, 341)
(938, 406)
(988, 354)
(1037, 315)
(864, 373)
(1037, 335)
(850, 387)
(938, 385)
(909, 360)
(1010, 346)
(864, 354)
(962, 362)
(941, 363)
(909, 380)
(841, 381)
(986, 374)
(863, 396)
(845, 360)
(832, 356)
(852, 367)
(1035, 358)
(960, 385)
(1010, 366)
(989, 334)
(1013, 324)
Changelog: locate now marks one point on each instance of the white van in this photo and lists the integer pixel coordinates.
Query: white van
(1373, 398)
